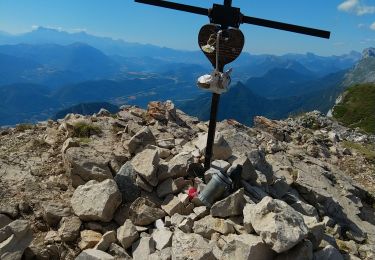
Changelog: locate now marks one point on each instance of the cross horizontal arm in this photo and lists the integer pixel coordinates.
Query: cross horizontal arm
(286, 27)
(176, 6)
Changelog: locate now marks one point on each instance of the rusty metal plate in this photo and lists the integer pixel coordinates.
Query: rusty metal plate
(230, 45)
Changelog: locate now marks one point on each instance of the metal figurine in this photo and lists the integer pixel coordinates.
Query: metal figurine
(225, 21)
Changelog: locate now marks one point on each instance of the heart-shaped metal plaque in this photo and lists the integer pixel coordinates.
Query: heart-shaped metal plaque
(230, 45)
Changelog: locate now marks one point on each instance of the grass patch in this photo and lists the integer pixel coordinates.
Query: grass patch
(84, 140)
(367, 150)
(84, 130)
(357, 108)
(24, 127)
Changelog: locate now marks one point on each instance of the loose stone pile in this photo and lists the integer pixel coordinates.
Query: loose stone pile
(128, 198)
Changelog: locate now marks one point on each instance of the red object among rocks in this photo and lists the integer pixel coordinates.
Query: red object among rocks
(192, 193)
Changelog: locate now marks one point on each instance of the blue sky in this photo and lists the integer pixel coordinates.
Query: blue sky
(352, 22)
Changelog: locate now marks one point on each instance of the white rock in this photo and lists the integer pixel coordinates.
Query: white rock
(96, 200)
(107, 239)
(144, 212)
(69, 228)
(146, 164)
(172, 205)
(89, 239)
(230, 206)
(93, 254)
(220, 165)
(279, 225)
(162, 238)
(143, 248)
(246, 246)
(209, 225)
(127, 234)
(140, 140)
(190, 246)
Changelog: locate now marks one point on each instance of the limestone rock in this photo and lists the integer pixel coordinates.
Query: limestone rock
(96, 201)
(220, 165)
(168, 186)
(143, 248)
(68, 143)
(127, 234)
(126, 182)
(85, 165)
(248, 171)
(328, 253)
(221, 148)
(53, 212)
(118, 252)
(146, 164)
(247, 211)
(162, 238)
(303, 250)
(165, 254)
(144, 212)
(172, 205)
(177, 166)
(69, 228)
(140, 140)
(201, 212)
(93, 254)
(209, 225)
(246, 246)
(279, 225)
(107, 239)
(14, 239)
(230, 206)
(316, 230)
(89, 239)
(190, 247)
(4, 220)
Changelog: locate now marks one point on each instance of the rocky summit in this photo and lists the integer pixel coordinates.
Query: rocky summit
(128, 186)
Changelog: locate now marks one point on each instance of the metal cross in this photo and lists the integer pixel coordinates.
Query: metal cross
(227, 16)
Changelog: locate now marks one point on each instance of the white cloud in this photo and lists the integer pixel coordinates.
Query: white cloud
(348, 5)
(361, 25)
(357, 7)
(372, 26)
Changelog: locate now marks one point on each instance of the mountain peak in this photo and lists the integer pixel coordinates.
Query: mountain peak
(369, 52)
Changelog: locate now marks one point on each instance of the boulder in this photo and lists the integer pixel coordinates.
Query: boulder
(328, 253)
(230, 206)
(248, 171)
(221, 148)
(69, 228)
(172, 205)
(201, 212)
(190, 246)
(168, 186)
(96, 200)
(220, 165)
(140, 140)
(10, 210)
(246, 246)
(145, 164)
(107, 239)
(93, 254)
(143, 248)
(118, 252)
(176, 167)
(127, 234)
(86, 164)
(209, 225)
(279, 225)
(89, 239)
(4, 220)
(303, 250)
(316, 231)
(126, 182)
(14, 239)
(247, 211)
(162, 238)
(53, 212)
(144, 212)
(165, 254)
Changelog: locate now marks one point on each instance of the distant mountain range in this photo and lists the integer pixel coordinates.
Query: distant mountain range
(46, 70)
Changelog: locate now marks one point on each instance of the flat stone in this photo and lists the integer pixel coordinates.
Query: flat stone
(167, 187)
(127, 234)
(140, 140)
(93, 254)
(53, 212)
(144, 212)
(230, 206)
(96, 201)
(162, 238)
(201, 212)
(107, 239)
(126, 182)
(89, 239)
(246, 246)
(328, 253)
(220, 165)
(279, 225)
(69, 228)
(190, 246)
(143, 248)
(209, 225)
(146, 164)
(247, 218)
(303, 250)
(172, 205)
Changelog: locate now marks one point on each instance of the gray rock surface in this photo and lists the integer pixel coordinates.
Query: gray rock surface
(145, 164)
(69, 228)
(93, 254)
(230, 206)
(127, 234)
(144, 212)
(140, 140)
(126, 182)
(96, 200)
